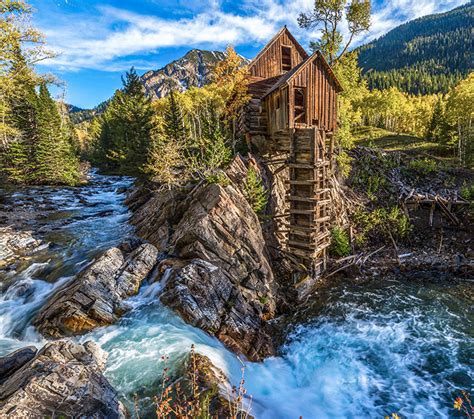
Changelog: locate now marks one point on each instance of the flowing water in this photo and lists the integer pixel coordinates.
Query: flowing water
(369, 350)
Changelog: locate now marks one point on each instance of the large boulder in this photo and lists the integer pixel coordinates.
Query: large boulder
(64, 379)
(220, 227)
(206, 296)
(96, 297)
(219, 273)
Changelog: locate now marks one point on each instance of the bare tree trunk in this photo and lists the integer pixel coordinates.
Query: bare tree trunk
(459, 143)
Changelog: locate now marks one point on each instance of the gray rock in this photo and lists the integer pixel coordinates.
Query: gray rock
(14, 361)
(64, 379)
(96, 297)
(220, 279)
(193, 69)
(15, 244)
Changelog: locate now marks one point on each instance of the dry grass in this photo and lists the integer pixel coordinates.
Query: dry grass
(379, 138)
(190, 398)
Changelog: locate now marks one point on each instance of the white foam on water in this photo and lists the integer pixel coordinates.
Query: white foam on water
(372, 351)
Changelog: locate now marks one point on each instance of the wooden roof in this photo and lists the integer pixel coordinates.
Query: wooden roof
(295, 70)
(301, 50)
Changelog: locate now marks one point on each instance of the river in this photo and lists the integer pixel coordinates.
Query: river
(369, 350)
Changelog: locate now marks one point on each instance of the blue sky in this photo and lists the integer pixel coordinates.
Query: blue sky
(97, 40)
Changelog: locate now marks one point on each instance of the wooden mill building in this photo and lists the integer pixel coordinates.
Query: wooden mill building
(291, 120)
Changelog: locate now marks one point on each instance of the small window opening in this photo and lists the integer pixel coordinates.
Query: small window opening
(277, 106)
(300, 104)
(286, 63)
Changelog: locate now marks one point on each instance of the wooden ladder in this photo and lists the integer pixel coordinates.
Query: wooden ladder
(309, 196)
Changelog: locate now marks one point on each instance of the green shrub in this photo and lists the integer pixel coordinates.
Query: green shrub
(255, 192)
(381, 222)
(340, 245)
(343, 161)
(396, 223)
(423, 167)
(219, 178)
(263, 300)
(369, 174)
(374, 184)
(467, 192)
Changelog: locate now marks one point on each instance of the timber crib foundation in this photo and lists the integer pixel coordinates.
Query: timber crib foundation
(291, 119)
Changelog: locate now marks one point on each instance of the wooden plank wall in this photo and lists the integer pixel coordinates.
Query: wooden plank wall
(253, 117)
(320, 95)
(269, 64)
(277, 119)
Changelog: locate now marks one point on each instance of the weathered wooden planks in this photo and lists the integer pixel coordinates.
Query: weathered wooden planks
(293, 107)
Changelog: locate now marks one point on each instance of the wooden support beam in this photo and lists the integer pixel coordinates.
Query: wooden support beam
(302, 212)
(316, 201)
(301, 182)
(307, 229)
(276, 161)
(309, 166)
(309, 246)
(302, 253)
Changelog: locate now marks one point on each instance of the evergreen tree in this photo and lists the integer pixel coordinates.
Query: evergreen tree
(18, 155)
(55, 161)
(434, 128)
(35, 146)
(174, 128)
(127, 125)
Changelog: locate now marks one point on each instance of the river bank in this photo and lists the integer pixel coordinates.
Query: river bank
(361, 349)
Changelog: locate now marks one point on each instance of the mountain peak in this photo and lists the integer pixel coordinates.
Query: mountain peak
(191, 70)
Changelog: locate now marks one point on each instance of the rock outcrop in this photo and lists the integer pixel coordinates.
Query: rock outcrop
(64, 379)
(96, 297)
(201, 380)
(219, 273)
(15, 244)
(14, 361)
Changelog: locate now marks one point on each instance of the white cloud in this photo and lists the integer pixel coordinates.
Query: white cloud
(139, 34)
(117, 35)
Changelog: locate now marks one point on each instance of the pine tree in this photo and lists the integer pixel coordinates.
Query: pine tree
(173, 121)
(433, 132)
(35, 147)
(54, 156)
(17, 158)
(127, 128)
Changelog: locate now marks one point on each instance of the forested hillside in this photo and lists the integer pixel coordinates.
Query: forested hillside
(426, 55)
(79, 115)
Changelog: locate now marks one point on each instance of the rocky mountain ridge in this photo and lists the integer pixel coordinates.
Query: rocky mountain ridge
(191, 70)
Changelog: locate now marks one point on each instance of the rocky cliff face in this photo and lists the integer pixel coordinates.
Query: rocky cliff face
(219, 276)
(191, 70)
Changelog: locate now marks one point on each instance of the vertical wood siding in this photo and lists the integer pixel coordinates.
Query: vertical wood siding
(269, 64)
(321, 95)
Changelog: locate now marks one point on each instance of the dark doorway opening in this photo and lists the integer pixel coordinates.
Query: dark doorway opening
(300, 105)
